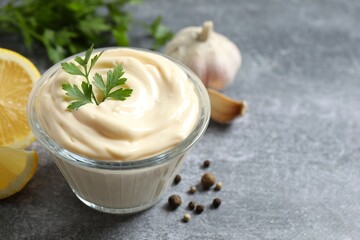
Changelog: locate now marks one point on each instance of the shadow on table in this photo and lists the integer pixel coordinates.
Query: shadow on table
(219, 126)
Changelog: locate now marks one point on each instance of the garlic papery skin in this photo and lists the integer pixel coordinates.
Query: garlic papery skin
(212, 56)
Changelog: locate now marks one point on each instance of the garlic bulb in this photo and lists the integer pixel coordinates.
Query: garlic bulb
(212, 56)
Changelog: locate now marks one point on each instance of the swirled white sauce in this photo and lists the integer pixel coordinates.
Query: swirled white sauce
(161, 112)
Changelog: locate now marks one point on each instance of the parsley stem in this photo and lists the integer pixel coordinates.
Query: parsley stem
(89, 84)
(97, 103)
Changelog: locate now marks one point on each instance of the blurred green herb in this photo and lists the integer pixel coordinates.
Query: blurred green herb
(110, 89)
(159, 32)
(66, 27)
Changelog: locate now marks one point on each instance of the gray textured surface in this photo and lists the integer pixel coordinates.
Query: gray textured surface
(290, 168)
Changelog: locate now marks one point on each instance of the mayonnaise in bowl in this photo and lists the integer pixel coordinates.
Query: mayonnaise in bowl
(120, 156)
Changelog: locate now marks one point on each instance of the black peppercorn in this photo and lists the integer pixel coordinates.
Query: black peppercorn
(174, 201)
(192, 205)
(216, 203)
(199, 209)
(177, 179)
(206, 164)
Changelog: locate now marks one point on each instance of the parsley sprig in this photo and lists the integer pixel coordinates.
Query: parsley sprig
(110, 89)
(80, 23)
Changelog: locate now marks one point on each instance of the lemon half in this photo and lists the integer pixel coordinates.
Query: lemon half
(17, 77)
(17, 166)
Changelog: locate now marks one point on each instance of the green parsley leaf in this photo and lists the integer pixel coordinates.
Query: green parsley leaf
(87, 90)
(88, 53)
(99, 82)
(72, 69)
(75, 105)
(121, 36)
(80, 61)
(121, 94)
(81, 98)
(114, 80)
(160, 33)
(94, 60)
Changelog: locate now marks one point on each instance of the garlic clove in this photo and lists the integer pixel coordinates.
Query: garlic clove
(225, 109)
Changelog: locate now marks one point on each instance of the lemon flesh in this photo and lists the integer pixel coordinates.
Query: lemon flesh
(17, 77)
(17, 167)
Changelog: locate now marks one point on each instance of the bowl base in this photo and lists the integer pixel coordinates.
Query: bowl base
(120, 211)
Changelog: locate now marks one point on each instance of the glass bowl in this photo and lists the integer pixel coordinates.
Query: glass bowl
(119, 187)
